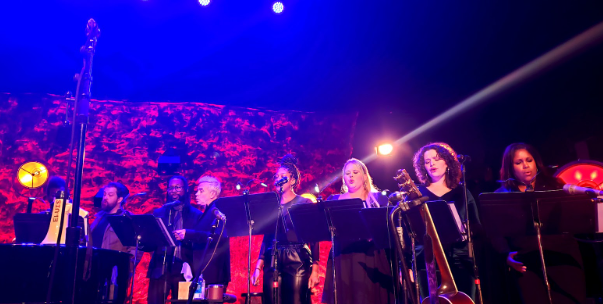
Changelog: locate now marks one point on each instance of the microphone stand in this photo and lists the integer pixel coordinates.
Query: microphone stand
(470, 248)
(197, 274)
(274, 259)
(82, 107)
(250, 225)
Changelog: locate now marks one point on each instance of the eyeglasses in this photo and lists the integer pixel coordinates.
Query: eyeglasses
(177, 188)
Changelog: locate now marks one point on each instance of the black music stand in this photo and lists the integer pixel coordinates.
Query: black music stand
(250, 214)
(310, 223)
(535, 214)
(376, 221)
(443, 220)
(145, 229)
(344, 221)
(32, 227)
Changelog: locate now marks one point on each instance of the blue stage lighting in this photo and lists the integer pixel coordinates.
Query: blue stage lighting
(278, 7)
(204, 2)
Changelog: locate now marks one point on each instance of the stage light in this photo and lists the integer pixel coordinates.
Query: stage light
(385, 149)
(204, 2)
(316, 189)
(583, 173)
(32, 175)
(278, 7)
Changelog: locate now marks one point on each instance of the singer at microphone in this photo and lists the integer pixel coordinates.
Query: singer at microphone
(522, 170)
(191, 228)
(280, 182)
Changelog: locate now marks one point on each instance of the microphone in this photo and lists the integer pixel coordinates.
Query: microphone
(573, 189)
(396, 196)
(219, 215)
(171, 204)
(463, 158)
(281, 181)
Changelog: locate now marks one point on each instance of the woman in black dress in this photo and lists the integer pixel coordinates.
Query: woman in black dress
(439, 171)
(364, 274)
(297, 262)
(522, 170)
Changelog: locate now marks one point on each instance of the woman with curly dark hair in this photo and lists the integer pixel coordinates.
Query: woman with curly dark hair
(438, 168)
(297, 262)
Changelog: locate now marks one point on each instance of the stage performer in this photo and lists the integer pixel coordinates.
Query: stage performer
(297, 262)
(182, 220)
(522, 170)
(364, 273)
(438, 169)
(54, 185)
(217, 259)
(102, 234)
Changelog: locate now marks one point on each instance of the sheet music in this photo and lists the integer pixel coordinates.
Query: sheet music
(457, 219)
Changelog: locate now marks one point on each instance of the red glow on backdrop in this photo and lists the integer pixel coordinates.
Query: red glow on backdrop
(126, 139)
(582, 173)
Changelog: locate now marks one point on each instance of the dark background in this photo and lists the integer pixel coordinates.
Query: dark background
(397, 63)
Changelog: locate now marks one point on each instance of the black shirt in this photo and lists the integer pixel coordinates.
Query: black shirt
(289, 236)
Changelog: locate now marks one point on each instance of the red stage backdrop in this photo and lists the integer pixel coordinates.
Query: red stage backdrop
(125, 140)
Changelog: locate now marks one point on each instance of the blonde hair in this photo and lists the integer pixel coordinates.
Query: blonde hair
(369, 187)
(213, 183)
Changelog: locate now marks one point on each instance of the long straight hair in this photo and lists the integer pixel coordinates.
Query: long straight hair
(507, 172)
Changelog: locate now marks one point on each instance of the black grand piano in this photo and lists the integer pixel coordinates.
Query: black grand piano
(25, 270)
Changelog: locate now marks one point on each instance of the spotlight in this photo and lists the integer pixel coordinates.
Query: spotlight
(278, 7)
(238, 186)
(384, 149)
(32, 175)
(204, 2)
(316, 189)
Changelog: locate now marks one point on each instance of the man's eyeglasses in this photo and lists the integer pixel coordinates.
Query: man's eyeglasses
(177, 188)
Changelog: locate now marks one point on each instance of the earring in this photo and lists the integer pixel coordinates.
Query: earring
(447, 170)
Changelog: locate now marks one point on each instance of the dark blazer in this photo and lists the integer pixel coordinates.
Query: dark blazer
(195, 240)
(110, 239)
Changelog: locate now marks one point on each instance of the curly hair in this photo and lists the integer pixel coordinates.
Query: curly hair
(445, 152)
(507, 172)
(289, 162)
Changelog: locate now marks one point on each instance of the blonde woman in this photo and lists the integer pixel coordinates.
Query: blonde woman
(363, 272)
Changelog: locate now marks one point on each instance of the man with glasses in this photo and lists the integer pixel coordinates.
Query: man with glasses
(182, 220)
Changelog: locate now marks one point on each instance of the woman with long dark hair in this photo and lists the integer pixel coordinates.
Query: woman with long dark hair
(439, 171)
(522, 170)
(297, 262)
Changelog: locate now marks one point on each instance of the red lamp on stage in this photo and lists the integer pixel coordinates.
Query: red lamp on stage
(583, 173)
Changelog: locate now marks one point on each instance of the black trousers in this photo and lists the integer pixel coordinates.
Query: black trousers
(294, 269)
